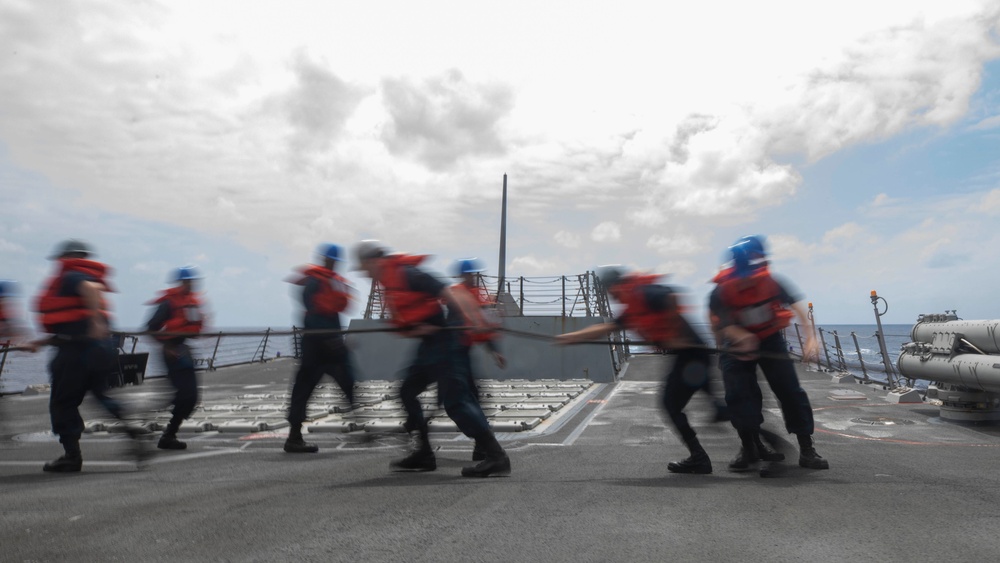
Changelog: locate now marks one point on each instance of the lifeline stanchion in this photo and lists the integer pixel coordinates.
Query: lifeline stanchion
(861, 359)
(889, 372)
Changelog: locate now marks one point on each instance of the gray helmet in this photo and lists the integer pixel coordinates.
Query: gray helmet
(366, 250)
(610, 275)
(72, 248)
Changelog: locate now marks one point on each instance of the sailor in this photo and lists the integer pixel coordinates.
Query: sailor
(325, 294)
(8, 322)
(414, 298)
(73, 310)
(750, 308)
(466, 270)
(179, 314)
(754, 245)
(13, 332)
(653, 310)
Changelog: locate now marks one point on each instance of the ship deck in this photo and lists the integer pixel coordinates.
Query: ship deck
(589, 483)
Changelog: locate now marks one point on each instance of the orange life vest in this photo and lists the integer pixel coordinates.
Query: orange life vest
(488, 312)
(755, 303)
(334, 293)
(406, 307)
(185, 312)
(55, 309)
(654, 326)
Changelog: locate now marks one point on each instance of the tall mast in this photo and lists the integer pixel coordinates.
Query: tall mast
(501, 271)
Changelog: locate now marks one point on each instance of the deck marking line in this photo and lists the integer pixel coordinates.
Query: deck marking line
(583, 425)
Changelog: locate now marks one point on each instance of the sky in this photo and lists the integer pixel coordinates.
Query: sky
(861, 138)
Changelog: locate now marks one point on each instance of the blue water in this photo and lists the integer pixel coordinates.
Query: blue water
(23, 368)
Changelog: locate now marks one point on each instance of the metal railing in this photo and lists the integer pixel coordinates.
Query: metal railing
(838, 353)
(577, 295)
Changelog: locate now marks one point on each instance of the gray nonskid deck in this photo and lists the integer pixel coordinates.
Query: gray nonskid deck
(591, 485)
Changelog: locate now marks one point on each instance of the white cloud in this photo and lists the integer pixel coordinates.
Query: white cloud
(567, 239)
(279, 130)
(156, 267)
(678, 270)
(608, 231)
(679, 244)
(789, 247)
(531, 266)
(881, 199)
(8, 246)
(986, 124)
(845, 232)
(989, 204)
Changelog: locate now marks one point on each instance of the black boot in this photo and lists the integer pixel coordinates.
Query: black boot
(169, 441)
(748, 455)
(721, 412)
(420, 459)
(295, 444)
(698, 463)
(64, 464)
(478, 452)
(495, 463)
(766, 453)
(808, 457)
(70, 462)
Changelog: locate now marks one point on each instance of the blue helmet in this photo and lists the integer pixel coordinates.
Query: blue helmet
(8, 288)
(185, 273)
(742, 257)
(755, 245)
(468, 266)
(331, 251)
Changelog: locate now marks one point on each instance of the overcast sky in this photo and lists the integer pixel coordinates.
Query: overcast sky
(863, 138)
